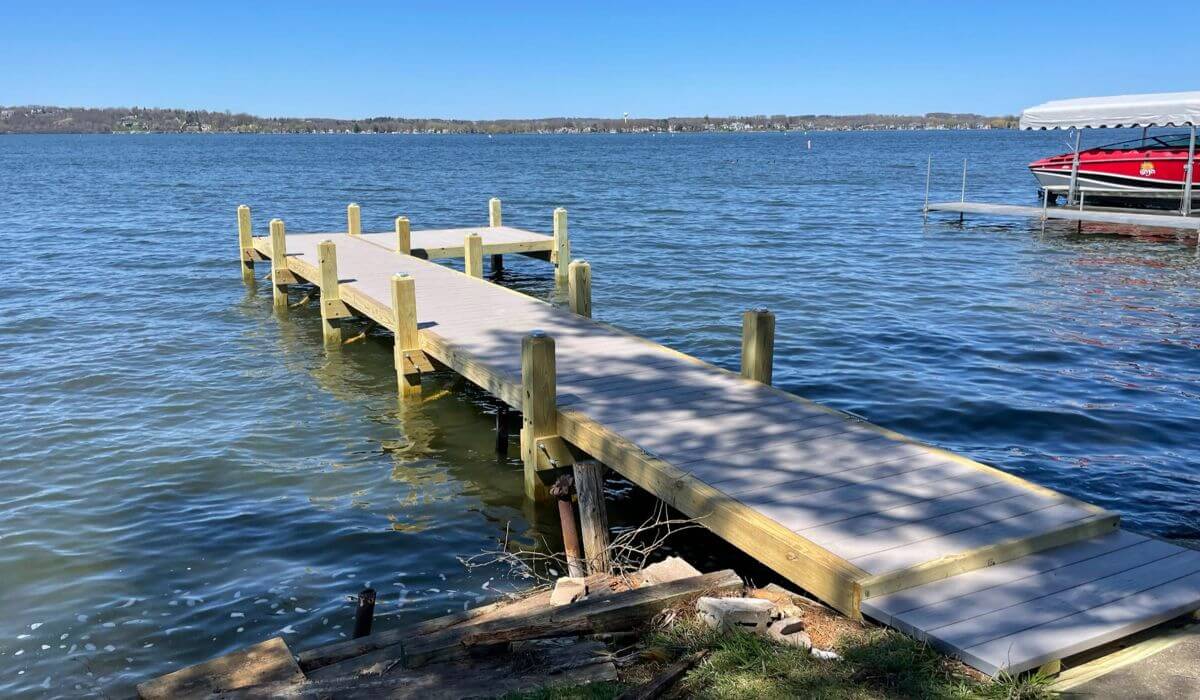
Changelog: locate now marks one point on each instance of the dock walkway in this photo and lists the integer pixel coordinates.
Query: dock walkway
(1004, 573)
(1078, 214)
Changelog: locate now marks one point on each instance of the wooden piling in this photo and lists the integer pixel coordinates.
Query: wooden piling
(353, 220)
(593, 518)
(494, 218)
(403, 236)
(364, 613)
(473, 255)
(502, 423)
(497, 263)
(245, 241)
(579, 275)
(561, 255)
(539, 411)
(280, 274)
(408, 340)
(330, 297)
(563, 490)
(758, 344)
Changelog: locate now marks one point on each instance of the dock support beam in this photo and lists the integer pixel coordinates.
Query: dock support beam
(561, 255)
(494, 217)
(281, 276)
(539, 410)
(593, 518)
(332, 308)
(758, 345)
(563, 490)
(473, 255)
(403, 236)
(502, 423)
(353, 220)
(408, 341)
(579, 274)
(245, 243)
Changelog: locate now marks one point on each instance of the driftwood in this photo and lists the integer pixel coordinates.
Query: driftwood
(266, 662)
(655, 687)
(611, 613)
(536, 665)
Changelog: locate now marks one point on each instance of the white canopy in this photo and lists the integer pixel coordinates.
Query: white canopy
(1162, 109)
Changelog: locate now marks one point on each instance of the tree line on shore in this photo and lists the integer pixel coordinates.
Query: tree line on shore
(89, 120)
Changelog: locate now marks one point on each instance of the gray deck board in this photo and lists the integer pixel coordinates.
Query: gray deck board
(1070, 214)
(876, 500)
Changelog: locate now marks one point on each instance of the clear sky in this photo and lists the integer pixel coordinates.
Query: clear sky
(531, 59)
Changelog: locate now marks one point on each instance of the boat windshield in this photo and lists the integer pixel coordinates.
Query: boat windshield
(1151, 143)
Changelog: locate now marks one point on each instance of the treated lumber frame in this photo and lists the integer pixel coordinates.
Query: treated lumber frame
(833, 579)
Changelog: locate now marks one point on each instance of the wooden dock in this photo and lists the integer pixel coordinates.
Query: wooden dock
(1004, 573)
(1077, 214)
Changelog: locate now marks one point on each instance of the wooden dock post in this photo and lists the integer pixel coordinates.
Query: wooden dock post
(758, 344)
(561, 255)
(593, 518)
(502, 423)
(245, 242)
(579, 275)
(473, 255)
(353, 220)
(332, 308)
(281, 276)
(403, 236)
(408, 340)
(364, 614)
(494, 218)
(539, 409)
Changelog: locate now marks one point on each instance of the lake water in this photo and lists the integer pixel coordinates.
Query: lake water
(184, 474)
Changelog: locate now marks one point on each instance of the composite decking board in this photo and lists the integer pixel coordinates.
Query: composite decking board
(936, 547)
(958, 610)
(860, 492)
(929, 520)
(1069, 214)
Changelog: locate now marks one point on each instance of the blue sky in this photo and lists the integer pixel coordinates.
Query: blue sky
(514, 59)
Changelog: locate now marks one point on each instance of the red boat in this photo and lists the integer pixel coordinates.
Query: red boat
(1140, 171)
(1154, 171)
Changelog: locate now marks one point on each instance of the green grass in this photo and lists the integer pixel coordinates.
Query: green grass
(876, 663)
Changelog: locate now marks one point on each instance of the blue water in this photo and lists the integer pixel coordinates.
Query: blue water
(183, 473)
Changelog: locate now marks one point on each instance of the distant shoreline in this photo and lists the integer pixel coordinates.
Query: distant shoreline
(36, 119)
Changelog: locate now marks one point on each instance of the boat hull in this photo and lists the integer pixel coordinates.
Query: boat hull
(1150, 176)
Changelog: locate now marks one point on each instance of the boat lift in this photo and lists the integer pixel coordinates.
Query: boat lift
(1156, 110)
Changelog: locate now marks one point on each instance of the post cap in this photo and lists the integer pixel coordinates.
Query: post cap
(537, 333)
(761, 310)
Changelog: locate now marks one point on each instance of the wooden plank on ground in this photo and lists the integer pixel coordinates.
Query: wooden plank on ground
(266, 662)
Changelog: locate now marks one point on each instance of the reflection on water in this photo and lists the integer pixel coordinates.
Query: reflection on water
(185, 473)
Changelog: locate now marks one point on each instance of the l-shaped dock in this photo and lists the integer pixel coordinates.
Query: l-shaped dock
(1001, 572)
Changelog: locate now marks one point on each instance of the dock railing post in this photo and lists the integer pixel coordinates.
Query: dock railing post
(353, 220)
(473, 255)
(245, 242)
(758, 345)
(331, 307)
(1189, 174)
(561, 255)
(494, 217)
(403, 236)
(593, 518)
(539, 409)
(280, 274)
(407, 337)
(579, 275)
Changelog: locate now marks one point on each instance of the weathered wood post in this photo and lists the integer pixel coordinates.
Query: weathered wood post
(473, 252)
(758, 344)
(364, 613)
(408, 340)
(245, 242)
(281, 276)
(589, 487)
(539, 410)
(561, 255)
(494, 220)
(502, 424)
(331, 307)
(563, 490)
(403, 236)
(353, 220)
(579, 275)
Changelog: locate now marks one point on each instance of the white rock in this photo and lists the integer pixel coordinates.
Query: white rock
(748, 614)
(568, 590)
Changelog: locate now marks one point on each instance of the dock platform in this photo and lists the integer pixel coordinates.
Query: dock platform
(1003, 573)
(1086, 214)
